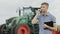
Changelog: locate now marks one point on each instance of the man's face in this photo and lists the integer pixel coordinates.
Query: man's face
(44, 8)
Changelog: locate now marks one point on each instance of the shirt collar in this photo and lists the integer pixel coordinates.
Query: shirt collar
(46, 14)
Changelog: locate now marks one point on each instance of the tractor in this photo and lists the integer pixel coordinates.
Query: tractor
(22, 23)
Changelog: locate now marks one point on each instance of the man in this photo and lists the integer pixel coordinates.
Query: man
(45, 16)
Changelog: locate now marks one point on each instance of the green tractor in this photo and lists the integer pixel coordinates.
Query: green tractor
(22, 23)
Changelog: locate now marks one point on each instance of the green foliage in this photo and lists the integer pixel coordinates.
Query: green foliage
(58, 27)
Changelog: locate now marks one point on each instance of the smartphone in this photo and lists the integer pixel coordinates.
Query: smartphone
(40, 11)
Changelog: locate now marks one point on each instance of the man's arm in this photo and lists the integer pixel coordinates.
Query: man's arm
(35, 20)
(52, 28)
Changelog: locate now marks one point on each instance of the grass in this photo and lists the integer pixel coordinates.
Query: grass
(58, 27)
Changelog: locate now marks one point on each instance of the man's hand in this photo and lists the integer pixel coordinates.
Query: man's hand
(38, 11)
(45, 26)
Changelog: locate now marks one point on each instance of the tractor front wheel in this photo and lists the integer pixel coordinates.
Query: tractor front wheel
(22, 29)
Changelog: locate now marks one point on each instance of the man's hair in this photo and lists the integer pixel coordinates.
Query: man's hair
(45, 3)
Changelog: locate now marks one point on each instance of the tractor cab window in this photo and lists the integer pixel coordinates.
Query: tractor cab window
(27, 11)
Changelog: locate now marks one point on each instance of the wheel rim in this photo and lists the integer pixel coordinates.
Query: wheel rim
(23, 30)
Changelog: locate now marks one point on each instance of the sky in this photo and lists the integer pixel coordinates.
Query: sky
(8, 8)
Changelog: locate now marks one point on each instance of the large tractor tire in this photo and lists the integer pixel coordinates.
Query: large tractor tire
(5, 30)
(35, 29)
(3, 25)
(22, 29)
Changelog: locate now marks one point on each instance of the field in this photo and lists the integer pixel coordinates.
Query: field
(58, 27)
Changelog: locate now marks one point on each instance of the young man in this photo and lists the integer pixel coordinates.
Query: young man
(45, 16)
